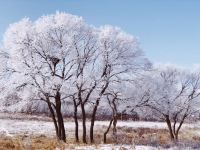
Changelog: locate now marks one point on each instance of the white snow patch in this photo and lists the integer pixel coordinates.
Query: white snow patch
(14, 127)
(110, 147)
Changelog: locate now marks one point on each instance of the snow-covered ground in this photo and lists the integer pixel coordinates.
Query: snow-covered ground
(11, 126)
(113, 147)
(145, 124)
(14, 127)
(121, 147)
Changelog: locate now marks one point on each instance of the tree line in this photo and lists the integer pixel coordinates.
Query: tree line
(60, 58)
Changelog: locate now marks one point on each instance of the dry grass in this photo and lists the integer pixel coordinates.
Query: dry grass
(125, 135)
(140, 136)
(146, 136)
(27, 143)
(7, 144)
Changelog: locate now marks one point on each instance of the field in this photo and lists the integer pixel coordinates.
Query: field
(37, 132)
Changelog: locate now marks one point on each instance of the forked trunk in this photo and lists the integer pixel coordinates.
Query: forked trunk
(169, 127)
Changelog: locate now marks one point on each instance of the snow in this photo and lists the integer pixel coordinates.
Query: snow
(137, 124)
(113, 147)
(11, 127)
(145, 124)
(30, 127)
(14, 127)
(119, 147)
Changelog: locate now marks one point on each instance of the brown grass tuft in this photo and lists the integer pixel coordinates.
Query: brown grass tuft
(125, 135)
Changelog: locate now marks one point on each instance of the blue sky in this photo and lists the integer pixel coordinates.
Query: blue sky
(168, 30)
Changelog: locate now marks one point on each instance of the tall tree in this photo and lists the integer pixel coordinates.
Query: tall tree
(119, 57)
(42, 60)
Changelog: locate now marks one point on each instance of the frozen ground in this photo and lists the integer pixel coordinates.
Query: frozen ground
(32, 125)
(120, 147)
(13, 126)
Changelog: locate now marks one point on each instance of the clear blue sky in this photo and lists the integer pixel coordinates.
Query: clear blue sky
(168, 30)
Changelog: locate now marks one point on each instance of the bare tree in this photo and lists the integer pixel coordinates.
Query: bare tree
(41, 58)
(173, 95)
(112, 98)
(60, 57)
(86, 53)
(120, 55)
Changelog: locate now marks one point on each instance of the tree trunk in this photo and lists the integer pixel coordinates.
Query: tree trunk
(53, 118)
(84, 123)
(93, 120)
(61, 128)
(105, 133)
(76, 129)
(179, 127)
(76, 122)
(176, 136)
(115, 128)
(63, 134)
(169, 127)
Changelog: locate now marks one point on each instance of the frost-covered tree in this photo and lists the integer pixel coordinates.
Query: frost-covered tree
(113, 98)
(3, 73)
(85, 45)
(42, 58)
(120, 55)
(60, 57)
(173, 94)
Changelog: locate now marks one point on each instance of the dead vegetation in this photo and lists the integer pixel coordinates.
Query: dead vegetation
(125, 135)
